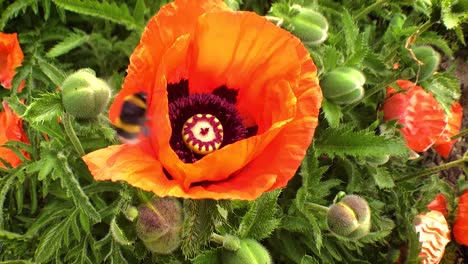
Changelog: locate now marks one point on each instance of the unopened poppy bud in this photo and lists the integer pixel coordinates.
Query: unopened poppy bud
(310, 26)
(430, 59)
(85, 96)
(159, 225)
(250, 251)
(350, 217)
(343, 85)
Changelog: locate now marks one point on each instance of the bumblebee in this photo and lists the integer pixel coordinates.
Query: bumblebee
(132, 118)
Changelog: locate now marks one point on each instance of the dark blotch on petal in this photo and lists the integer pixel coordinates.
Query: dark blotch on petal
(177, 90)
(252, 131)
(228, 94)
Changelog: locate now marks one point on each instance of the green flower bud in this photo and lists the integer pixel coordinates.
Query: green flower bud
(343, 85)
(430, 59)
(310, 26)
(350, 217)
(85, 96)
(159, 225)
(250, 251)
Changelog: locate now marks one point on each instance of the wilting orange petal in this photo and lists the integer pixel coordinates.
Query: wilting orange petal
(423, 118)
(444, 145)
(11, 56)
(460, 227)
(434, 235)
(439, 204)
(172, 21)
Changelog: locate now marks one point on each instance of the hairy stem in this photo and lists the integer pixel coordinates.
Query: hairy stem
(67, 123)
(461, 134)
(317, 207)
(434, 169)
(369, 9)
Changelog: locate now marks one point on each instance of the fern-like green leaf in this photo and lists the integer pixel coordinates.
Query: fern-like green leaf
(446, 89)
(332, 113)
(72, 41)
(383, 179)
(207, 257)
(6, 183)
(309, 260)
(105, 10)
(13, 10)
(74, 191)
(46, 108)
(350, 30)
(343, 141)
(198, 225)
(52, 72)
(262, 218)
(139, 12)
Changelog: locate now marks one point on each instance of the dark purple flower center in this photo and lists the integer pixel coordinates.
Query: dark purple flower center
(203, 123)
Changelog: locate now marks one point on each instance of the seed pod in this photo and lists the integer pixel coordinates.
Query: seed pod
(350, 217)
(310, 26)
(430, 59)
(159, 225)
(85, 96)
(343, 85)
(250, 251)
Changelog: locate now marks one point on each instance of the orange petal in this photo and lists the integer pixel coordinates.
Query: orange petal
(11, 56)
(11, 129)
(460, 227)
(434, 235)
(245, 51)
(439, 204)
(444, 145)
(418, 111)
(172, 21)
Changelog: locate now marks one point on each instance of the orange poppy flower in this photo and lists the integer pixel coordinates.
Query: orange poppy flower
(217, 80)
(460, 227)
(422, 117)
(11, 128)
(434, 235)
(439, 204)
(11, 56)
(444, 145)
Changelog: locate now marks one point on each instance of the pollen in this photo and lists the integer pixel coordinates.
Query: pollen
(203, 133)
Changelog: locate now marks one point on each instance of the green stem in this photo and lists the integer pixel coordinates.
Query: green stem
(434, 169)
(424, 27)
(461, 134)
(317, 207)
(67, 123)
(369, 9)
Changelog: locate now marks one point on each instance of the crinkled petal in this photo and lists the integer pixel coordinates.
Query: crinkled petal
(460, 227)
(11, 56)
(423, 118)
(444, 145)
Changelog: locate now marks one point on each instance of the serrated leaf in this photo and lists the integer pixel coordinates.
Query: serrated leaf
(309, 260)
(105, 10)
(52, 72)
(6, 183)
(46, 108)
(343, 141)
(445, 88)
(350, 30)
(332, 113)
(139, 11)
(198, 225)
(74, 191)
(72, 41)
(13, 10)
(262, 217)
(296, 224)
(383, 179)
(52, 240)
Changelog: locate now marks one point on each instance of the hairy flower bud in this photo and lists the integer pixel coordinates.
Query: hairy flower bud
(430, 59)
(159, 225)
(310, 26)
(85, 96)
(343, 85)
(350, 217)
(250, 251)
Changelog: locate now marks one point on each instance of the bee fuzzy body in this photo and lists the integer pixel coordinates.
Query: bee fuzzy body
(132, 118)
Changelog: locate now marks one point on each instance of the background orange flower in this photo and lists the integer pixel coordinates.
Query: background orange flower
(226, 63)
(423, 118)
(460, 227)
(434, 235)
(11, 128)
(11, 56)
